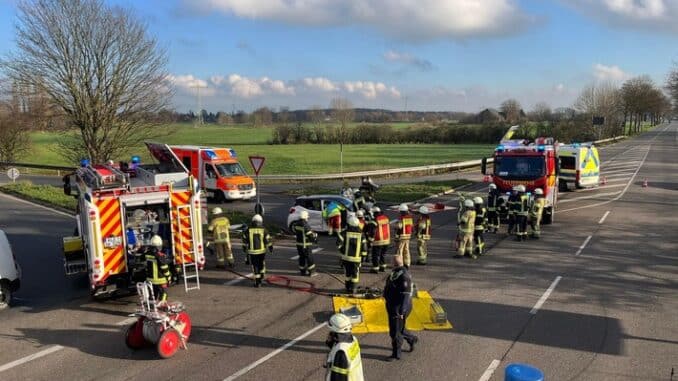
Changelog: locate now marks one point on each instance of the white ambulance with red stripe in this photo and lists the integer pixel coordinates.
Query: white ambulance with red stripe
(117, 214)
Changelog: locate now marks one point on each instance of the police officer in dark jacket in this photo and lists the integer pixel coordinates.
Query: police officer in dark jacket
(398, 294)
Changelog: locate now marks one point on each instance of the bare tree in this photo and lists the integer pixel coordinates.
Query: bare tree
(511, 109)
(541, 113)
(14, 140)
(342, 113)
(98, 64)
(672, 86)
(315, 115)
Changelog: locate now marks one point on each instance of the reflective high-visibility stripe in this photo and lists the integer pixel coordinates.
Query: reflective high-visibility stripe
(354, 371)
(256, 241)
(352, 247)
(111, 239)
(424, 226)
(405, 227)
(220, 226)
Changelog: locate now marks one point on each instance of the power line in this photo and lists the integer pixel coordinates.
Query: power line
(199, 120)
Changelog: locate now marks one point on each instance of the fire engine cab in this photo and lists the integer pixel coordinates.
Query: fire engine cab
(533, 164)
(117, 214)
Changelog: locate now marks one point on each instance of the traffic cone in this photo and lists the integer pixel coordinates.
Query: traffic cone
(645, 183)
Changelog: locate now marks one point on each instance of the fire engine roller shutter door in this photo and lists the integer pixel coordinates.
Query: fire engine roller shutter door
(144, 199)
(111, 236)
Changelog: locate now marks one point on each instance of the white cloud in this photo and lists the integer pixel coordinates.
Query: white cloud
(609, 73)
(189, 83)
(408, 59)
(371, 90)
(658, 15)
(319, 83)
(404, 19)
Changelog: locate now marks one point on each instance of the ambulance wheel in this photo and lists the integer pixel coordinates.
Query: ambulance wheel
(186, 320)
(169, 343)
(134, 337)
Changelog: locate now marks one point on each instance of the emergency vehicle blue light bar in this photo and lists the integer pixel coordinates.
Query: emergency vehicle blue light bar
(500, 148)
(541, 148)
(211, 154)
(232, 151)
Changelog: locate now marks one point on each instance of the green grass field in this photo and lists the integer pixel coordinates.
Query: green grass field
(285, 159)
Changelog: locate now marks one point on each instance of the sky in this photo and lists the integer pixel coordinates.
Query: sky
(428, 55)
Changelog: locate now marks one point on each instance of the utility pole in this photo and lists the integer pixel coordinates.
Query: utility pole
(199, 120)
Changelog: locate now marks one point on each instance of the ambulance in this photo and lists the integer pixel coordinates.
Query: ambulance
(218, 172)
(579, 165)
(117, 214)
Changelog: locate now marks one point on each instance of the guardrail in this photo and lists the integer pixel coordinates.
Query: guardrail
(335, 176)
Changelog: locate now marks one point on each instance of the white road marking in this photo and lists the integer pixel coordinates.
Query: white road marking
(129, 320)
(546, 295)
(604, 217)
(274, 353)
(317, 250)
(38, 205)
(587, 197)
(490, 370)
(583, 245)
(32, 357)
(236, 280)
(295, 258)
(599, 187)
(619, 170)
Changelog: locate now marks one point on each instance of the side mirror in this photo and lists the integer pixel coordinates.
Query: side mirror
(557, 167)
(483, 166)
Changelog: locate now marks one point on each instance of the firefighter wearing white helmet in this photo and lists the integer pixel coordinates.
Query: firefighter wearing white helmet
(513, 205)
(536, 211)
(219, 227)
(255, 242)
(344, 360)
(493, 209)
(378, 234)
(521, 207)
(479, 226)
(352, 244)
(466, 226)
(157, 269)
(423, 234)
(305, 237)
(403, 233)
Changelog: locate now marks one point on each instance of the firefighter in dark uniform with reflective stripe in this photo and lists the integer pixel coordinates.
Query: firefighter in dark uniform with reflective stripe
(255, 242)
(479, 226)
(492, 209)
(305, 238)
(352, 244)
(513, 204)
(344, 361)
(398, 295)
(157, 270)
(522, 207)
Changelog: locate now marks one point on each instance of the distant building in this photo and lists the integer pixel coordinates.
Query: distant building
(489, 115)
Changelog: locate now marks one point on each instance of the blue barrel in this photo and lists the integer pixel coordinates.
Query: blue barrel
(522, 372)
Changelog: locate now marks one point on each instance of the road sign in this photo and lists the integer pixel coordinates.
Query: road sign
(13, 173)
(257, 162)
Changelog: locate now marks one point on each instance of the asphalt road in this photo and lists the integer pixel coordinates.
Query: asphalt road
(594, 299)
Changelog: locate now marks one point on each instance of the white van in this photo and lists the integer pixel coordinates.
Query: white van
(10, 273)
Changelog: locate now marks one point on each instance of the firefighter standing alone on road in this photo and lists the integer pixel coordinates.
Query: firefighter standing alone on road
(492, 209)
(222, 240)
(479, 226)
(423, 234)
(379, 235)
(255, 242)
(305, 237)
(351, 244)
(398, 295)
(344, 361)
(403, 233)
(157, 270)
(536, 211)
(466, 228)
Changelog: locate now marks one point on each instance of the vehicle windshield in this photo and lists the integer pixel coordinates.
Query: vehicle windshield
(230, 169)
(567, 162)
(519, 167)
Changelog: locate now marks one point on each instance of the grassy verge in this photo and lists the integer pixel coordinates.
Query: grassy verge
(42, 194)
(394, 193)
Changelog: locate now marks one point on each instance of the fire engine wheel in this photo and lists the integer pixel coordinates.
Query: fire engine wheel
(169, 343)
(186, 320)
(134, 337)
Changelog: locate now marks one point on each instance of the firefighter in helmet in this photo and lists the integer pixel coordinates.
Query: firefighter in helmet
(536, 211)
(466, 228)
(222, 240)
(305, 237)
(344, 361)
(379, 236)
(521, 208)
(351, 244)
(423, 227)
(479, 226)
(157, 269)
(493, 209)
(255, 242)
(403, 233)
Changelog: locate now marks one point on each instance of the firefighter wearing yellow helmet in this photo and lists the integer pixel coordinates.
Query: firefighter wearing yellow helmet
(344, 360)
(219, 227)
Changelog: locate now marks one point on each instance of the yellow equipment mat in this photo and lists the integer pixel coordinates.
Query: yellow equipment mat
(375, 319)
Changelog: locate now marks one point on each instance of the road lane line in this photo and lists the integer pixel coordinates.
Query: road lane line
(38, 205)
(490, 370)
(317, 250)
(583, 245)
(32, 357)
(274, 353)
(295, 258)
(588, 197)
(236, 280)
(546, 295)
(129, 320)
(604, 217)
